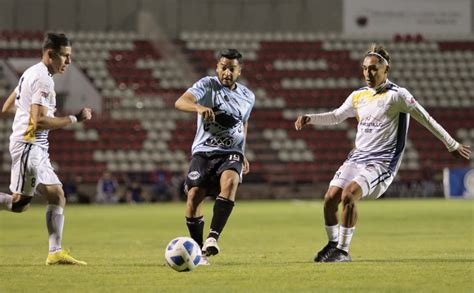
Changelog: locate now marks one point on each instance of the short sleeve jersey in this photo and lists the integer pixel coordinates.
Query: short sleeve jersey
(36, 86)
(231, 108)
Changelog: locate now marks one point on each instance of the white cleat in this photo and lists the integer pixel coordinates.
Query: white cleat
(210, 247)
(204, 261)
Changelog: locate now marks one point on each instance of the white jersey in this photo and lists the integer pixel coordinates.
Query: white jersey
(383, 116)
(36, 86)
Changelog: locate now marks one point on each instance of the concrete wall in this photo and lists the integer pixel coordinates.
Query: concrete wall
(173, 15)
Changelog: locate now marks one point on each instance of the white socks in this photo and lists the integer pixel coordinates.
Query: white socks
(5, 201)
(345, 237)
(55, 223)
(333, 233)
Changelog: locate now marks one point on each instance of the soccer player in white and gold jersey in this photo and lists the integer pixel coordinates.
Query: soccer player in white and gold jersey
(34, 102)
(382, 109)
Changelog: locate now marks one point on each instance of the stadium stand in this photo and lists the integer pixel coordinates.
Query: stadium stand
(291, 74)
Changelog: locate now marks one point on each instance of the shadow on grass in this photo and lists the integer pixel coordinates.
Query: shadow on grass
(263, 263)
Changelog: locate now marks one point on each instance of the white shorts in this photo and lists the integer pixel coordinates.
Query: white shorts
(30, 167)
(373, 178)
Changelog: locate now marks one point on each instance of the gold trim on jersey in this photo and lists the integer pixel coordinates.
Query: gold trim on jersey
(30, 133)
(365, 97)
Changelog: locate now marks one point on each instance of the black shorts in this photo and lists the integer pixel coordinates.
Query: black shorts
(205, 170)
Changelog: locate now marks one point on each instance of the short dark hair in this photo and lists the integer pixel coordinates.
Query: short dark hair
(377, 49)
(231, 54)
(55, 41)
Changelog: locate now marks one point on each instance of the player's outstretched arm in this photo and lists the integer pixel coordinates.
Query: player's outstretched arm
(188, 103)
(463, 152)
(301, 121)
(41, 121)
(9, 105)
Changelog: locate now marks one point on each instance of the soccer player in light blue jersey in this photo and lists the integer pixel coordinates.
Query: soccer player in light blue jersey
(218, 161)
(382, 109)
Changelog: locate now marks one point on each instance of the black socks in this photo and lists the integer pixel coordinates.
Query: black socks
(196, 228)
(222, 210)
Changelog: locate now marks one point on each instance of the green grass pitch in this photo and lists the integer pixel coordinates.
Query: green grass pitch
(267, 246)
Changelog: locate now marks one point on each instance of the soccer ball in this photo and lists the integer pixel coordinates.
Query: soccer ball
(183, 254)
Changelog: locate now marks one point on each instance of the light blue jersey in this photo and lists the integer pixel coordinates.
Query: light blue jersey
(231, 108)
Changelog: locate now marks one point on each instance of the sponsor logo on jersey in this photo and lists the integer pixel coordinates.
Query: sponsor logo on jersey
(224, 142)
(371, 121)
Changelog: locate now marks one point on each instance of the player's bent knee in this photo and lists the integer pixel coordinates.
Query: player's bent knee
(229, 183)
(192, 194)
(348, 198)
(332, 196)
(195, 196)
(228, 186)
(191, 206)
(54, 194)
(22, 204)
(192, 198)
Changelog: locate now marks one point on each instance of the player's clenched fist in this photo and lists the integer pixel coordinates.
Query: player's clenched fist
(84, 114)
(207, 113)
(301, 121)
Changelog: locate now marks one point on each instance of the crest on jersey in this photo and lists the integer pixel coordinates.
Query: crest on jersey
(194, 175)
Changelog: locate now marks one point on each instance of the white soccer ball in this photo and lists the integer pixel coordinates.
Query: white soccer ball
(183, 254)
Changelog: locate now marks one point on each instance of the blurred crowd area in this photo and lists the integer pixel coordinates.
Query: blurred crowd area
(157, 186)
(164, 186)
(301, 58)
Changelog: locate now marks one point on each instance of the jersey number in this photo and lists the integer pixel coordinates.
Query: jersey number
(234, 157)
(19, 88)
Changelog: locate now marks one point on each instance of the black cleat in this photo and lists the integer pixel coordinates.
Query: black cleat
(324, 253)
(338, 255)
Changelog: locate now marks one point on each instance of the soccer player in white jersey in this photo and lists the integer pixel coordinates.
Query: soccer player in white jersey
(382, 109)
(34, 102)
(218, 152)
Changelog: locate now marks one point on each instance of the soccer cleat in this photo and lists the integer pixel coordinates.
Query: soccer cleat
(204, 261)
(210, 247)
(338, 255)
(324, 253)
(62, 257)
